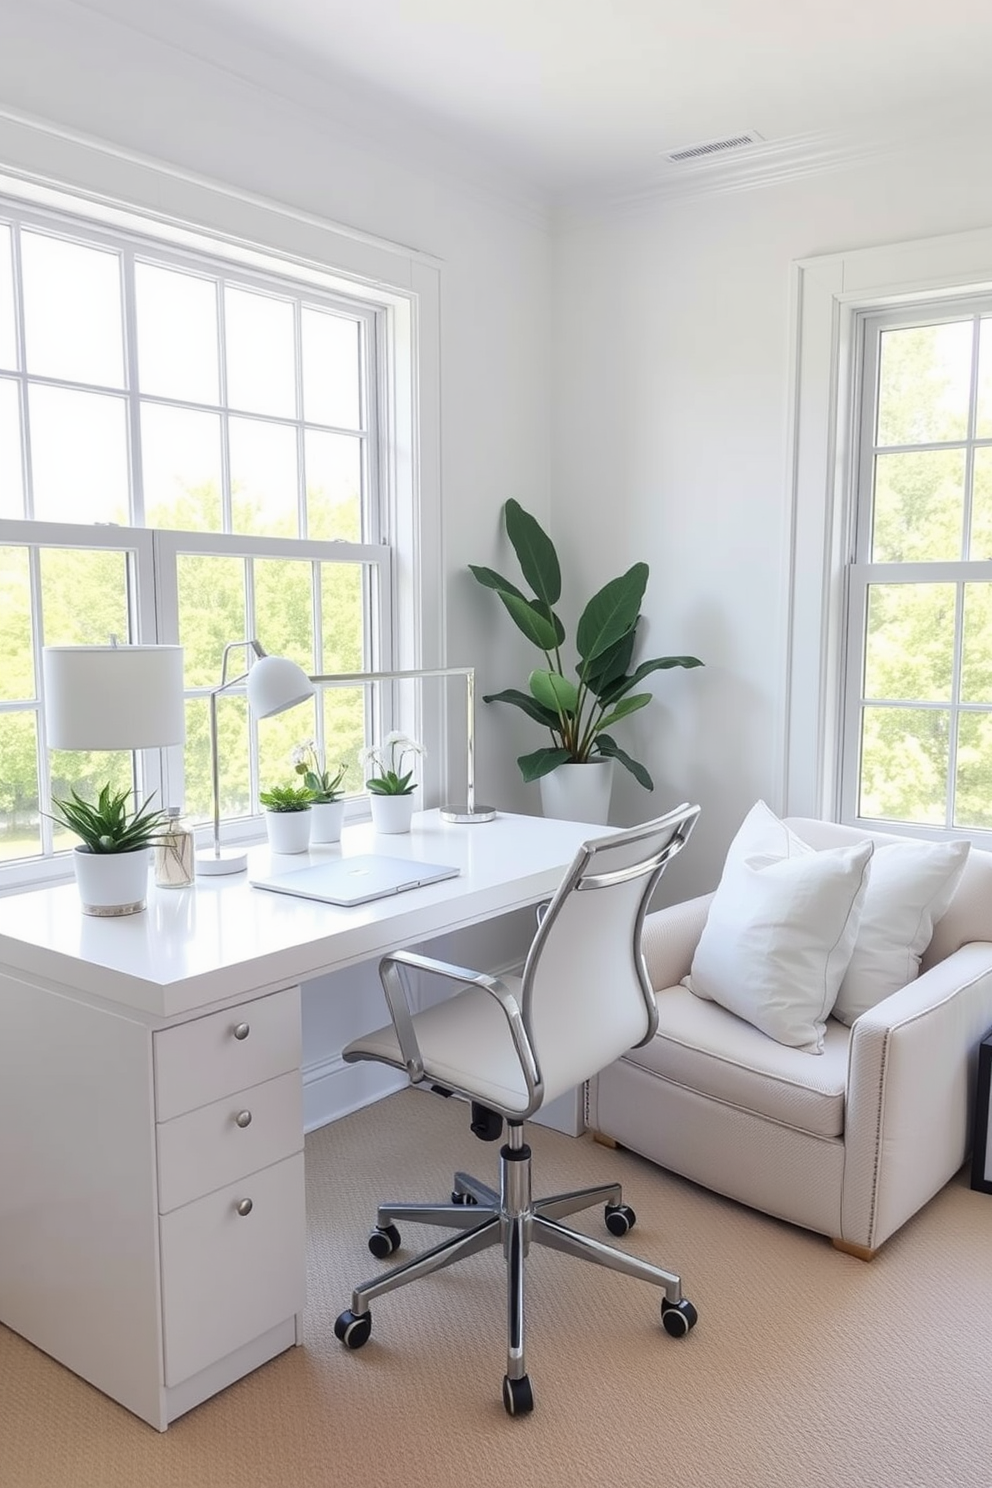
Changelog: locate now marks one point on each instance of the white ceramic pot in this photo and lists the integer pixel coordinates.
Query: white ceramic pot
(579, 792)
(327, 819)
(288, 831)
(112, 884)
(392, 814)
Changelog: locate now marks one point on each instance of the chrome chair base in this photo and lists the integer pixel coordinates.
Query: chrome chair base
(509, 1217)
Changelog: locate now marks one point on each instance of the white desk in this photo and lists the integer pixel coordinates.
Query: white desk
(152, 1211)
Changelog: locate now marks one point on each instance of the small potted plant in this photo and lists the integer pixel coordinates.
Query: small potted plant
(326, 792)
(287, 810)
(389, 785)
(111, 861)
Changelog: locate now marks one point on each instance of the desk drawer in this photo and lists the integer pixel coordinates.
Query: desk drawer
(207, 1058)
(228, 1277)
(216, 1144)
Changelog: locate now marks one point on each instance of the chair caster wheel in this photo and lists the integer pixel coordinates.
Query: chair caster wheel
(518, 1397)
(462, 1198)
(382, 1242)
(678, 1317)
(620, 1218)
(353, 1329)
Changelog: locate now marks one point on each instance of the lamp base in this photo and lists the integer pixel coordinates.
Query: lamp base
(462, 814)
(216, 860)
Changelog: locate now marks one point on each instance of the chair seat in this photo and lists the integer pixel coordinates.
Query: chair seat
(466, 1045)
(701, 1046)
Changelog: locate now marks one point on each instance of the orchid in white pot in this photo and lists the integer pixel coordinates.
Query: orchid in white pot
(390, 783)
(326, 790)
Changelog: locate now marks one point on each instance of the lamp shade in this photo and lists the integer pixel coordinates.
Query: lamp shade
(275, 683)
(114, 697)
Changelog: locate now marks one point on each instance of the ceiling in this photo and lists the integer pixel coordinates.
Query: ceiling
(580, 94)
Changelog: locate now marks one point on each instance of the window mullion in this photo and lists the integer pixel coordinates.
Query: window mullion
(133, 388)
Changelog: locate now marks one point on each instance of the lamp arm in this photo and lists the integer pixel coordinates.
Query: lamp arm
(225, 683)
(472, 812)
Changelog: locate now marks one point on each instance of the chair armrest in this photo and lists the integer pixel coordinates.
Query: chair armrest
(403, 1017)
(910, 1093)
(670, 938)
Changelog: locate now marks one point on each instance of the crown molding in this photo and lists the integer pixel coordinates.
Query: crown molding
(748, 169)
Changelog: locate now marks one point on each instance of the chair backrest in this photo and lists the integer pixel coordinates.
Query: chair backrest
(586, 997)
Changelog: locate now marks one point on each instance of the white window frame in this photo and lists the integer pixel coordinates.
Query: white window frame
(54, 171)
(829, 294)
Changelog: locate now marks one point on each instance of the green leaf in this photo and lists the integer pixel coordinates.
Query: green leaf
(526, 704)
(660, 663)
(286, 798)
(391, 784)
(105, 828)
(607, 747)
(611, 612)
(539, 624)
(556, 692)
(600, 672)
(490, 579)
(542, 762)
(535, 553)
(628, 705)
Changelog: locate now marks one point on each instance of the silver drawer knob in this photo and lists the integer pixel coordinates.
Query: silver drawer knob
(243, 1119)
(245, 1207)
(242, 1030)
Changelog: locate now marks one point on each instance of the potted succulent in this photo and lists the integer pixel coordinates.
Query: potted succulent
(389, 785)
(326, 792)
(287, 817)
(111, 861)
(579, 712)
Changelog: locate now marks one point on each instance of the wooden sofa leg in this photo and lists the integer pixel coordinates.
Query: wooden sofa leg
(860, 1252)
(604, 1140)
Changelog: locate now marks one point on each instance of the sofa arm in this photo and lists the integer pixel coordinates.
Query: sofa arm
(670, 938)
(910, 1093)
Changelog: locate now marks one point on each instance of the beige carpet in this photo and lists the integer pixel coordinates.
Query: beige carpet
(808, 1369)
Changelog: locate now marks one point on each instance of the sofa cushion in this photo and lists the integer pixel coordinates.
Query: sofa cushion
(910, 886)
(701, 1046)
(969, 914)
(781, 930)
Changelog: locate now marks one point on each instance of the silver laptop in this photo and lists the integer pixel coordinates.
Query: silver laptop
(356, 880)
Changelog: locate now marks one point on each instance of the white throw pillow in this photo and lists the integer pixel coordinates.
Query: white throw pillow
(781, 930)
(910, 886)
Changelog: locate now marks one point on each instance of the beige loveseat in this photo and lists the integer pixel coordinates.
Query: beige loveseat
(849, 1143)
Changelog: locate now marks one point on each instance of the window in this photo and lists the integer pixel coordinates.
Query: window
(886, 716)
(917, 745)
(198, 446)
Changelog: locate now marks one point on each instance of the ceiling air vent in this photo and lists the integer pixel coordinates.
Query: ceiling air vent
(713, 147)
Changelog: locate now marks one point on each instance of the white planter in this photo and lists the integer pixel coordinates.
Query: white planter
(392, 814)
(326, 821)
(112, 883)
(579, 792)
(288, 831)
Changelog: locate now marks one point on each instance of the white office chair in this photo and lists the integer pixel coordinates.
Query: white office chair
(510, 1046)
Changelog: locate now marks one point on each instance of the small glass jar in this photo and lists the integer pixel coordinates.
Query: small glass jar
(174, 857)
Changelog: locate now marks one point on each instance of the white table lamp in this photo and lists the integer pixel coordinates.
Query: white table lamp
(113, 697)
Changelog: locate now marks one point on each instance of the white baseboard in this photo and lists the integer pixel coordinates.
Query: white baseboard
(332, 1089)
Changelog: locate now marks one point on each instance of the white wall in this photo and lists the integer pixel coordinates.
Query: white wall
(65, 64)
(672, 367)
(663, 332)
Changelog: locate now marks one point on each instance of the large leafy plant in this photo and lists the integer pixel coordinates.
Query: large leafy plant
(578, 713)
(105, 826)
